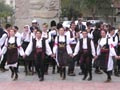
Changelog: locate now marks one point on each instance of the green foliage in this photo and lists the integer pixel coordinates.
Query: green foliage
(98, 7)
(90, 7)
(70, 8)
(5, 10)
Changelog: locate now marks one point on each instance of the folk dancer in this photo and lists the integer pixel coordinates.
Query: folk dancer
(13, 48)
(85, 47)
(105, 54)
(4, 35)
(26, 37)
(61, 50)
(39, 47)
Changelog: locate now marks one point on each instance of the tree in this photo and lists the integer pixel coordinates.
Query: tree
(97, 7)
(5, 11)
(70, 8)
(88, 8)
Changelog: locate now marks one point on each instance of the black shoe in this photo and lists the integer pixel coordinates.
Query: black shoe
(71, 74)
(46, 73)
(58, 71)
(30, 73)
(63, 78)
(84, 78)
(53, 72)
(16, 77)
(117, 75)
(41, 79)
(118, 71)
(78, 64)
(12, 75)
(26, 73)
(61, 74)
(80, 73)
(108, 80)
(98, 72)
(90, 78)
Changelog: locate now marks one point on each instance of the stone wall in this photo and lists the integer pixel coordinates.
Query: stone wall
(41, 10)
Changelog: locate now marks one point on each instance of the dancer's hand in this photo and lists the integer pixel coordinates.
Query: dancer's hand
(1, 54)
(117, 57)
(24, 56)
(95, 57)
(71, 55)
(53, 55)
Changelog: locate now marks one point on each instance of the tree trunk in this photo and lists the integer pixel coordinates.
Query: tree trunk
(93, 13)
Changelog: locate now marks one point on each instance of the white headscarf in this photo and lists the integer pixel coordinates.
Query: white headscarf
(28, 28)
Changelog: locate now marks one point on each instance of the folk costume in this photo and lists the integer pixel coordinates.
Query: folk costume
(39, 47)
(53, 34)
(3, 37)
(28, 61)
(61, 49)
(85, 47)
(13, 48)
(73, 41)
(106, 52)
(47, 36)
(114, 40)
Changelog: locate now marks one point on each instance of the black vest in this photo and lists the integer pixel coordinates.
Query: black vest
(62, 43)
(2, 32)
(13, 45)
(88, 46)
(43, 45)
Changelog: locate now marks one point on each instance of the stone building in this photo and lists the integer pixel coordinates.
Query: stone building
(116, 5)
(11, 3)
(41, 10)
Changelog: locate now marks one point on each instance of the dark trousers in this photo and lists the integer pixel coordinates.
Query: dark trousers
(53, 63)
(71, 65)
(29, 66)
(39, 66)
(18, 66)
(118, 65)
(46, 63)
(62, 72)
(86, 63)
(3, 61)
(115, 66)
(97, 68)
(108, 73)
(82, 68)
(13, 70)
(49, 60)
(87, 68)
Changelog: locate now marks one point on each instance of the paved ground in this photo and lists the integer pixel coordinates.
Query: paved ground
(54, 82)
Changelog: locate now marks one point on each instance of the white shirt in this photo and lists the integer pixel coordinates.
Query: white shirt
(62, 39)
(84, 43)
(77, 48)
(71, 40)
(12, 40)
(27, 37)
(90, 35)
(112, 52)
(18, 35)
(39, 45)
(2, 39)
(115, 42)
(46, 35)
(102, 42)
